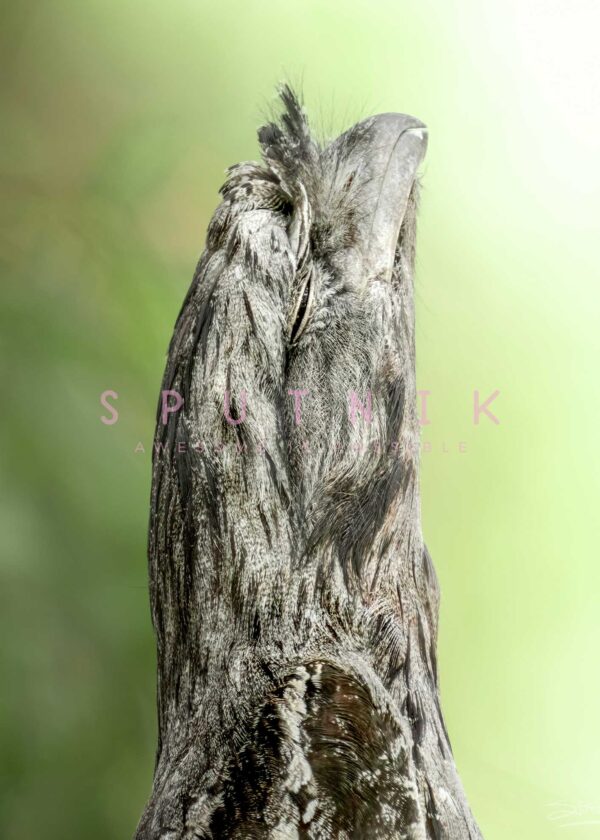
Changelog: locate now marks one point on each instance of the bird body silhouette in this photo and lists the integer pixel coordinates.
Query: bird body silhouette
(293, 599)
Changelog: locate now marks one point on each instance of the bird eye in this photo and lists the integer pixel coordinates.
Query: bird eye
(301, 311)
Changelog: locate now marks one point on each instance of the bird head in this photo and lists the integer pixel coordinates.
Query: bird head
(348, 389)
(289, 476)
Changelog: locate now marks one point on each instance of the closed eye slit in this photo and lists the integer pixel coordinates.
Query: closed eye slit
(301, 312)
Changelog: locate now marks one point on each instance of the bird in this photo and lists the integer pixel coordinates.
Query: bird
(293, 599)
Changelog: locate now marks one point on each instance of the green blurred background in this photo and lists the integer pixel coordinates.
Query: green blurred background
(118, 119)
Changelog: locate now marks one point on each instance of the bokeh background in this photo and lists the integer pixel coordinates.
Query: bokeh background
(118, 120)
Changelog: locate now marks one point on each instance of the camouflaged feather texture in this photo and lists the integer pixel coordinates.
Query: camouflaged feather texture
(293, 599)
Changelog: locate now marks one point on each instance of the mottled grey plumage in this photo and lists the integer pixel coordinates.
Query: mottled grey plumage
(294, 602)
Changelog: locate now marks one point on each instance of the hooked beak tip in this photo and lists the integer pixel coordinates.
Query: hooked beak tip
(399, 146)
(384, 152)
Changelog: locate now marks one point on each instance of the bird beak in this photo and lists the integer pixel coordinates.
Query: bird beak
(385, 154)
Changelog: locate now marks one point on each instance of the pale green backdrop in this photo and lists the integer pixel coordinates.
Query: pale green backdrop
(118, 119)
